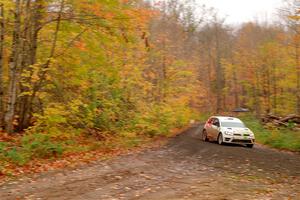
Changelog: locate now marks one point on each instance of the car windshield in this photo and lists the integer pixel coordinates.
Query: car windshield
(233, 124)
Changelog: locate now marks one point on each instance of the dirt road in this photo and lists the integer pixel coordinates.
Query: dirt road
(186, 168)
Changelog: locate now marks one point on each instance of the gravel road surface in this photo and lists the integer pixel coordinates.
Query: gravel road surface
(185, 168)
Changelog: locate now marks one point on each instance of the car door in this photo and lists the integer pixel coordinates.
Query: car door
(208, 127)
(215, 129)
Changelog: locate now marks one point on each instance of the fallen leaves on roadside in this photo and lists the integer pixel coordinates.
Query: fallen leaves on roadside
(10, 170)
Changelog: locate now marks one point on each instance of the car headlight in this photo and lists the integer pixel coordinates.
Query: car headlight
(228, 133)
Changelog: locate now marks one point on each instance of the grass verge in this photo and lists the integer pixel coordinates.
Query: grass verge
(280, 138)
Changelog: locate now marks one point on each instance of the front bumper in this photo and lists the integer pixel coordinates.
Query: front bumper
(239, 139)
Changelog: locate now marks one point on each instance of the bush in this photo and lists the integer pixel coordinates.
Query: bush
(40, 145)
(17, 157)
(29, 147)
(8, 152)
(159, 119)
(3, 147)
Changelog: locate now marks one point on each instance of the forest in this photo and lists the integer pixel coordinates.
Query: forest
(75, 74)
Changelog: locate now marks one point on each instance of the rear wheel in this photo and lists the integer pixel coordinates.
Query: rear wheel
(204, 136)
(220, 139)
(250, 145)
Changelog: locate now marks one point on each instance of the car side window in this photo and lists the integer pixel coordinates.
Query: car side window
(216, 122)
(213, 121)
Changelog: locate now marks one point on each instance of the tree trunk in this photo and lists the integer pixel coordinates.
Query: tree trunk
(274, 89)
(1, 66)
(162, 71)
(298, 77)
(14, 71)
(31, 30)
(43, 71)
(256, 96)
(235, 86)
(268, 88)
(24, 66)
(218, 69)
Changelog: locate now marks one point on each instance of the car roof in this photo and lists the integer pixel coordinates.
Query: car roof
(227, 118)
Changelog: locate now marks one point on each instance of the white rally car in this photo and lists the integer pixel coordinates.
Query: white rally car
(227, 130)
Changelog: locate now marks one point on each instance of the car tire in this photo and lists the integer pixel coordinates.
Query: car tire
(250, 145)
(220, 139)
(204, 136)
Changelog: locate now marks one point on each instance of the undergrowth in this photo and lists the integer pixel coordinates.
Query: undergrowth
(55, 138)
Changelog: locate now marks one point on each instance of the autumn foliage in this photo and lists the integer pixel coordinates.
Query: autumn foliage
(74, 74)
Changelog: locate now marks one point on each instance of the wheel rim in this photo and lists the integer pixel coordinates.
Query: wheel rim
(220, 139)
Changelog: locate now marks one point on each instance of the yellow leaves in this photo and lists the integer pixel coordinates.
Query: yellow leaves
(27, 93)
(54, 114)
(295, 17)
(8, 5)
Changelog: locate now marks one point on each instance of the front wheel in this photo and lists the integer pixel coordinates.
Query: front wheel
(204, 136)
(250, 145)
(220, 139)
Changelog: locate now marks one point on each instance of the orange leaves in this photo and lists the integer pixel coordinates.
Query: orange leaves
(140, 15)
(95, 9)
(4, 137)
(124, 1)
(80, 45)
(99, 10)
